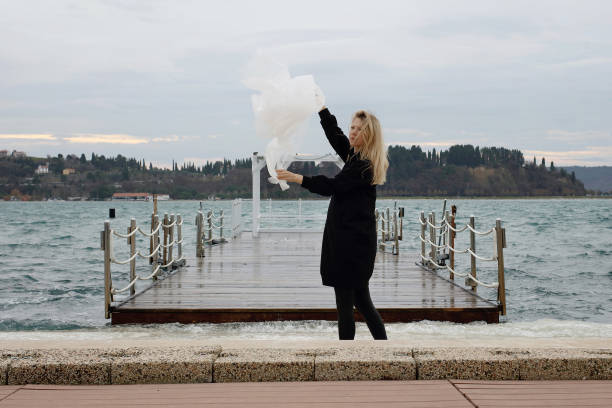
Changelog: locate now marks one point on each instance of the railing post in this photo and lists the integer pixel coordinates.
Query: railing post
(423, 225)
(199, 234)
(451, 243)
(395, 235)
(472, 257)
(376, 216)
(107, 268)
(179, 231)
(432, 235)
(170, 241)
(221, 226)
(446, 239)
(156, 241)
(500, 235)
(165, 251)
(132, 242)
(151, 239)
(387, 235)
(210, 226)
(401, 223)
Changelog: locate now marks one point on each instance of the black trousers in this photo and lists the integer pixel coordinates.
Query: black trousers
(346, 298)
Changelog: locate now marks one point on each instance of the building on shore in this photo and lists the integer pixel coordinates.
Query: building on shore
(66, 172)
(3, 153)
(160, 197)
(42, 169)
(140, 196)
(17, 154)
(131, 196)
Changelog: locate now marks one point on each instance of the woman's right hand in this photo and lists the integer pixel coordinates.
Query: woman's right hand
(319, 98)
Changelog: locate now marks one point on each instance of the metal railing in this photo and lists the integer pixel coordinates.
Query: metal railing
(160, 254)
(390, 227)
(444, 250)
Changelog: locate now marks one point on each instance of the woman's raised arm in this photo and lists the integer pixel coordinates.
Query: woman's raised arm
(339, 142)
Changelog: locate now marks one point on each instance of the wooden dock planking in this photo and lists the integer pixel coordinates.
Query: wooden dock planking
(276, 277)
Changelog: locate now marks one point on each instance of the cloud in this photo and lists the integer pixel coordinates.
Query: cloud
(26, 136)
(589, 156)
(406, 131)
(580, 63)
(571, 136)
(423, 144)
(173, 138)
(95, 138)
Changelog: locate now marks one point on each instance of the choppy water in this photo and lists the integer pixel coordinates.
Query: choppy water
(558, 268)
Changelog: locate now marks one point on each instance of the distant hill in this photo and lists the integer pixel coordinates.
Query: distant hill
(594, 178)
(462, 170)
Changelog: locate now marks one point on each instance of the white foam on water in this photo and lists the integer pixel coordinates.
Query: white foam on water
(324, 330)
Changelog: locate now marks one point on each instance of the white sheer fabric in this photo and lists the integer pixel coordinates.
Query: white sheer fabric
(281, 108)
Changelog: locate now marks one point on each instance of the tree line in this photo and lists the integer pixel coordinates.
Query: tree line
(460, 170)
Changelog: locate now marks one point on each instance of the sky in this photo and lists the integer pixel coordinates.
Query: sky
(161, 80)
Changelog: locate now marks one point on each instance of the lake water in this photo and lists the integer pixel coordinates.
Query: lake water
(558, 268)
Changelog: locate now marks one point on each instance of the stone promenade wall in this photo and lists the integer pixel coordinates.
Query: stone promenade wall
(195, 364)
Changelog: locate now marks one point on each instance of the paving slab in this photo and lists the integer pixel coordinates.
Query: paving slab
(3, 372)
(566, 364)
(255, 365)
(56, 367)
(171, 365)
(466, 363)
(363, 364)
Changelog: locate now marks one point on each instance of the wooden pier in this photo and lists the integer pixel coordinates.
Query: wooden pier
(275, 276)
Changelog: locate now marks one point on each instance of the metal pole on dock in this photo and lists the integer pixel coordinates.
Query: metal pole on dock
(132, 242)
(500, 234)
(255, 169)
(472, 257)
(107, 265)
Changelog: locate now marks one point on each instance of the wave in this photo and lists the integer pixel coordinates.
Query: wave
(32, 325)
(304, 330)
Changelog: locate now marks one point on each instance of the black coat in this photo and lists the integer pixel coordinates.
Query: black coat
(349, 239)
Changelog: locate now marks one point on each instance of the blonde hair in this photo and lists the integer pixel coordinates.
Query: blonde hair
(373, 146)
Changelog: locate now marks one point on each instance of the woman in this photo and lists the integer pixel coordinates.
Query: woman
(349, 239)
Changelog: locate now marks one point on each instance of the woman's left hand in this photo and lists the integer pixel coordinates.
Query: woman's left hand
(289, 176)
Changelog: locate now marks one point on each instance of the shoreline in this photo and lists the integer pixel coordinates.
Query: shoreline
(608, 197)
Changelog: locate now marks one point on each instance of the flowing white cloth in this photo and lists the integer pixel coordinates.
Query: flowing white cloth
(281, 108)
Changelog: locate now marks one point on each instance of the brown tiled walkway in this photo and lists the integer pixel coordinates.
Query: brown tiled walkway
(385, 394)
